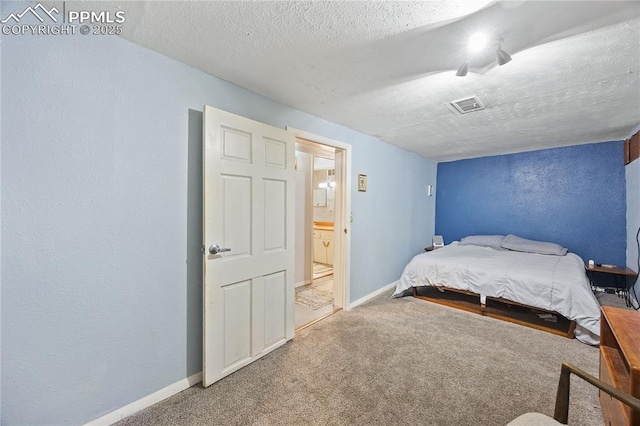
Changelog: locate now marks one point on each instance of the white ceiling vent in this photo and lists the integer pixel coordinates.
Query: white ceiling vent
(464, 106)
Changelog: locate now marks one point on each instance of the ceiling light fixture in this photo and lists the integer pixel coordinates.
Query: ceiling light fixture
(477, 42)
(502, 57)
(462, 71)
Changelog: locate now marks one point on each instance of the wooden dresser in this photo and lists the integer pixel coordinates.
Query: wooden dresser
(620, 362)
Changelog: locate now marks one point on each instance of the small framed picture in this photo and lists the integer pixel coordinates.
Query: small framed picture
(362, 183)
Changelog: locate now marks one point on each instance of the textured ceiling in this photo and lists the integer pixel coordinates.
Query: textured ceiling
(387, 69)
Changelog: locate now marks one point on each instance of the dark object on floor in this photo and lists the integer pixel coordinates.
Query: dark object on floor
(612, 278)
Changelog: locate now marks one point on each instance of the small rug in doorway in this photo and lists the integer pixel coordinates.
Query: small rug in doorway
(314, 296)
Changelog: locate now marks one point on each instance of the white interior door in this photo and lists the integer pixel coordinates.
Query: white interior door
(248, 187)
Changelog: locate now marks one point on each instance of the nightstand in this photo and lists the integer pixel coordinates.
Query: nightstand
(618, 279)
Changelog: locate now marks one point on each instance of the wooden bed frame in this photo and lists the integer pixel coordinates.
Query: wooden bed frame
(495, 307)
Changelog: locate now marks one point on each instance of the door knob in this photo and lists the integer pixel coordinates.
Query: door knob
(215, 249)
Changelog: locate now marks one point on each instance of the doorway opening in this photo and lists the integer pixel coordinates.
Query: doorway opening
(321, 228)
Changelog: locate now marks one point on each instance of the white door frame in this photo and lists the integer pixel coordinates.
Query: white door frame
(342, 228)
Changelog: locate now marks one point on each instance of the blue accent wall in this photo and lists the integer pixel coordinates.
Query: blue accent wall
(574, 196)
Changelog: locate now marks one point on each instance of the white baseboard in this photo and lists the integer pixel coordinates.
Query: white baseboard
(180, 385)
(147, 401)
(301, 283)
(370, 296)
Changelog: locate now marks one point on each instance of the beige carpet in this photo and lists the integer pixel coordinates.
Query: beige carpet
(394, 362)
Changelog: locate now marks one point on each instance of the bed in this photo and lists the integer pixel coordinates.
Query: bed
(553, 283)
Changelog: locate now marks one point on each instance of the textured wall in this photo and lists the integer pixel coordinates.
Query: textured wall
(632, 171)
(0, 232)
(574, 196)
(101, 220)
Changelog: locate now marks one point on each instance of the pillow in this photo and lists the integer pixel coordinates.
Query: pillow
(514, 243)
(492, 241)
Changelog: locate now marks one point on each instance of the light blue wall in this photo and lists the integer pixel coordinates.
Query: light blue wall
(574, 196)
(382, 244)
(101, 223)
(0, 234)
(632, 172)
